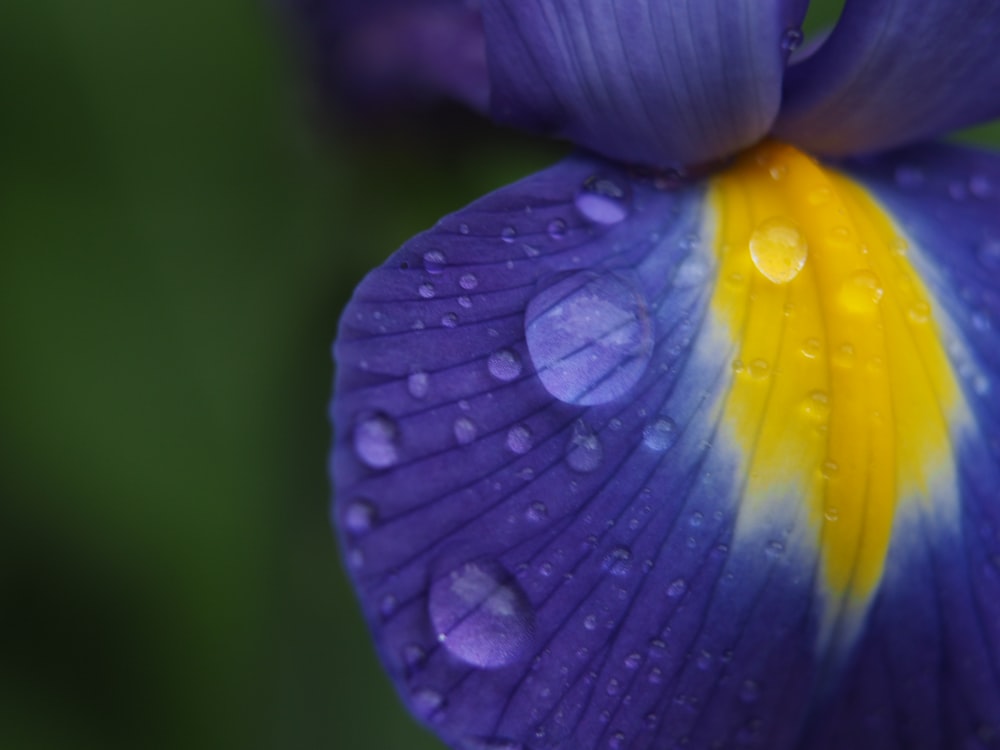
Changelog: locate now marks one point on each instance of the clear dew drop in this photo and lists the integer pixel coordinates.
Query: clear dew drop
(778, 250)
(861, 293)
(481, 614)
(660, 435)
(434, 261)
(360, 516)
(584, 450)
(557, 229)
(418, 384)
(618, 562)
(504, 365)
(426, 701)
(589, 336)
(520, 439)
(677, 589)
(537, 512)
(426, 290)
(376, 441)
(508, 234)
(465, 430)
(468, 281)
(449, 320)
(791, 39)
(603, 200)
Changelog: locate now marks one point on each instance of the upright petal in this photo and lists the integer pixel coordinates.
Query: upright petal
(382, 52)
(665, 84)
(624, 463)
(895, 72)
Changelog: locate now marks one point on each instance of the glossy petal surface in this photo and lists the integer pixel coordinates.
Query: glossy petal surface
(581, 461)
(894, 72)
(658, 83)
(381, 52)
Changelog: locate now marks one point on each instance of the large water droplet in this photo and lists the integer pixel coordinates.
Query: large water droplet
(778, 249)
(468, 281)
(376, 439)
(584, 451)
(504, 365)
(481, 615)
(520, 439)
(660, 435)
(434, 261)
(603, 199)
(589, 336)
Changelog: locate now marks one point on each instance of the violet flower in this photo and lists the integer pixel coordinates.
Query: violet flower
(693, 439)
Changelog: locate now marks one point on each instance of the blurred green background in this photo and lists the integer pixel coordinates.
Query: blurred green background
(178, 233)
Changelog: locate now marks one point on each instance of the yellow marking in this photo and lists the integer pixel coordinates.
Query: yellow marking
(842, 392)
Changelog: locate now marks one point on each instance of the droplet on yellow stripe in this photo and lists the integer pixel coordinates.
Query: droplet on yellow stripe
(861, 293)
(778, 249)
(816, 406)
(919, 312)
(811, 347)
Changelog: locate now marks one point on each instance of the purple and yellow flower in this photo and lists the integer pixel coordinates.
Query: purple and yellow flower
(692, 440)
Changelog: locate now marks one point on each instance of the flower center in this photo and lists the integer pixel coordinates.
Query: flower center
(843, 400)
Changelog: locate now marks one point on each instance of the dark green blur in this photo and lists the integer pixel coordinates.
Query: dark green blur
(179, 230)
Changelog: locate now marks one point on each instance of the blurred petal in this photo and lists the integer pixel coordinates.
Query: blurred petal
(894, 72)
(659, 83)
(624, 463)
(384, 52)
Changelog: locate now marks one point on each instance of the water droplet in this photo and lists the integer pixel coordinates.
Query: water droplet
(584, 450)
(465, 430)
(504, 365)
(418, 384)
(426, 290)
(633, 660)
(590, 622)
(481, 614)
(468, 281)
(861, 293)
(434, 261)
(603, 200)
(537, 512)
(618, 562)
(819, 196)
(465, 301)
(660, 435)
(829, 469)
(919, 312)
(450, 320)
(778, 250)
(816, 406)
(360, 516)
(758, 368)
(426, 701)
(774, 549)
(557, 229)
(811, 347)
(589, 337)
(463, 228)
(843, 355)
(616, 741)
(677, 588)
(519, 439)
(376, 440)
(791, 39)
(508, 234)
(692, 272)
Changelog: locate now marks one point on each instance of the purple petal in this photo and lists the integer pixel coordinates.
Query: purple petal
(388, 51)
(927, 673)
(894, 72)
(664, 84)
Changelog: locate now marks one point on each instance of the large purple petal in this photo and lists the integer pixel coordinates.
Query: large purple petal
(659, 83)
(382, 52)
(934, 633)
(895, 72)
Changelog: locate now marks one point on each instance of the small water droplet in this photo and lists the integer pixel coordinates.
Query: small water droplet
(829, 469)
(660, 435)
(360, 516)
(481, 615)
(426, 290)
(791, 39)
(376, 439)
(589, 336)
(519, 439)
(919, 312)
(418, 384)
(434, 261)
(557, 229)
(633, 660)
(774, 549)
(843, 355)
(463, 228)
(758, 368)
(811, 347)
(603, 200)
(426, 701)
(388, 605)
(819, 196)
(590, 622)
(449, 320)
(584, 450)
(465, 301)
(677, 588)
(618, 562)
(616, 741)
(465, 431)
(816, 406)
(861, 293)
(468, 281)
(778, 249)
(508, 234)
(504, 365)
(537, 512)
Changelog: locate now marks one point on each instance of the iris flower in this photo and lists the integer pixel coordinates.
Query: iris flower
(691, 440)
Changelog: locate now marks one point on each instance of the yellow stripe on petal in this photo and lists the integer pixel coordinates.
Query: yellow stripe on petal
(843, 396)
